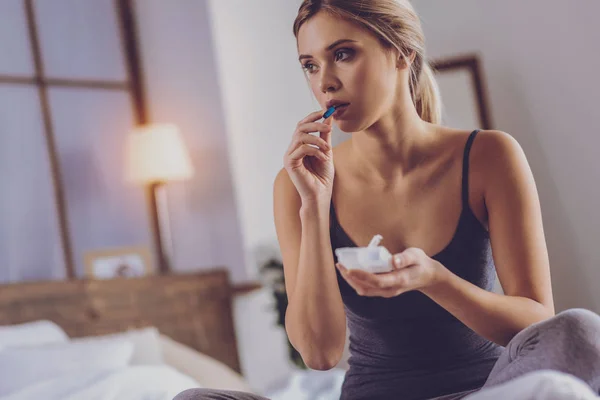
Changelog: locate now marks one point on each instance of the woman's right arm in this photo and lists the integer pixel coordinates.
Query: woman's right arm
(315, 320)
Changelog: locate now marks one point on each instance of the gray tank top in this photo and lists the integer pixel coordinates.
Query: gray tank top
(408, 347)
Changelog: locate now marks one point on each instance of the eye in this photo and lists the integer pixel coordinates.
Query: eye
(309, 68)
(343, 54)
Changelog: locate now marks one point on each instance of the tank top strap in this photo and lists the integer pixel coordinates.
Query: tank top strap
(465, 170)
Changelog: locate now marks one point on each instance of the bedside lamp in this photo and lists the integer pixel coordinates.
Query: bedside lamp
(155, 155)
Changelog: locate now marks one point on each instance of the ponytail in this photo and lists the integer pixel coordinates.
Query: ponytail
(426, 97)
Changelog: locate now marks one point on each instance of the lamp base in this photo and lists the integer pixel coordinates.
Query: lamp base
(159, 217)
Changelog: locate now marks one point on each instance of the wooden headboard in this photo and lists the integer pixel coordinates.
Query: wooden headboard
(193, 309)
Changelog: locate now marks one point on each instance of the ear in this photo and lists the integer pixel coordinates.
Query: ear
(407, 61)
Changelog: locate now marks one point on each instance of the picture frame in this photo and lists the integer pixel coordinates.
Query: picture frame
(463, 91)
(118, 262)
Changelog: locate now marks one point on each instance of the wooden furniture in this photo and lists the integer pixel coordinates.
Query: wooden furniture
(193, 309)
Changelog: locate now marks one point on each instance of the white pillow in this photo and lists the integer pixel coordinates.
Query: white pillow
(31, 334)
(146, 344)
(24, 366)
(205, 370)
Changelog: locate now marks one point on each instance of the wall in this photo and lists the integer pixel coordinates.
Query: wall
(541, 61)
(181, 83)
(264, 96)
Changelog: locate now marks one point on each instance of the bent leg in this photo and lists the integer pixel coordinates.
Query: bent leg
(568, 342)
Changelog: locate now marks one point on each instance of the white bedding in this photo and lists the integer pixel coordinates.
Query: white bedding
(38, 361)
(131, 383)
(95, 369)
(21, 367)
(309, 385)
(538, 385)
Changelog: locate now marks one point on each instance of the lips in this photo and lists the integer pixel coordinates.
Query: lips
(335, 103)
(339, 111)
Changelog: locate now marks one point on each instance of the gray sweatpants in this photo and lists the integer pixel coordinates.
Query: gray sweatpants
(568, 342)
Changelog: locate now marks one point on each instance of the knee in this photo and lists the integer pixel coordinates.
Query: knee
(578, 320)
(578, 324)
(194, 394)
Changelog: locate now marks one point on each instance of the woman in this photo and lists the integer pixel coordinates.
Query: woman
(443, 199)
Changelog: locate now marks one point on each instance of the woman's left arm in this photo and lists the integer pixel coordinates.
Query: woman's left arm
(518, 247)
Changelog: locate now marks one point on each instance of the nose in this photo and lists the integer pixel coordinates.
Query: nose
(329, 82)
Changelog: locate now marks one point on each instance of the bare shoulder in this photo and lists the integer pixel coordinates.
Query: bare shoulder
(494, 151)
(488, 143)
(493, 143)
(495, 161)
(499, 161)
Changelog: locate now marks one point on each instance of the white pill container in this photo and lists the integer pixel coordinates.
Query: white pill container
(373, 258)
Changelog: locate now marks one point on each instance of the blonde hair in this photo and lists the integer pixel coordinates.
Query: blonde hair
(396, 24)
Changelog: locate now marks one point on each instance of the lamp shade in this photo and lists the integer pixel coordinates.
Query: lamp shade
(156, 153)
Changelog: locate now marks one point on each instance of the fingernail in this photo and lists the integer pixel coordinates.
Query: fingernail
(397, 260)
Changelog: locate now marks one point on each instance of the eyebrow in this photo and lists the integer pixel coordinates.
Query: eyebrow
(331, 46)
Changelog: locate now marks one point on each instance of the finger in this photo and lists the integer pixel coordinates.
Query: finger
(343, 270)
(408, 257)
(306, 150)
(360, 289)
(364, 277)
(327, 135)
(389, 293)
(369, 291)
(341, 267)
(378, 282)
(303, 131)
(310, 139)
(314, 116)
(394, 279)
(306, 138)
(313, 127)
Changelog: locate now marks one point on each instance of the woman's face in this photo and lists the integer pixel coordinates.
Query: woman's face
(348, 65)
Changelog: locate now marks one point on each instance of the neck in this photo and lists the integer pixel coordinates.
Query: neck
(393, 146)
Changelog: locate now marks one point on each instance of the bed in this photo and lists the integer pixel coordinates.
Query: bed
(190, 316)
